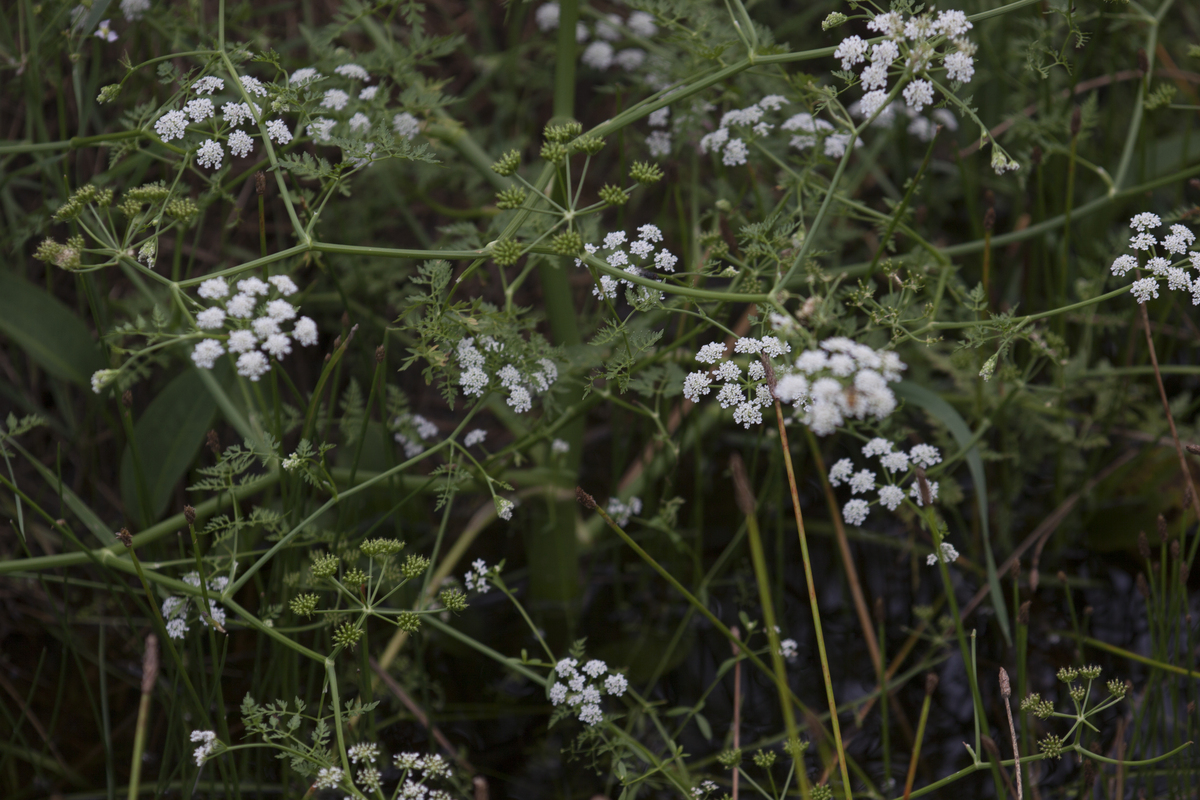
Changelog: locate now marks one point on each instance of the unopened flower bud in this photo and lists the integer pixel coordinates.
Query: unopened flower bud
(125, 536)
(189, 514)
(1143, 545)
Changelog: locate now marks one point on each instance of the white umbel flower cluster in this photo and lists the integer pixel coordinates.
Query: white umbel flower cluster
(635, 256)
(840, 380)
(910, 51)
(621, 512)
(476, 578)
(898, 467)
(746, 393)
(208, 744)
(210, 153)
(176, 610)
(253, 318)
(1171, 265)
(489, 367)
(410, 431)
(582, 687)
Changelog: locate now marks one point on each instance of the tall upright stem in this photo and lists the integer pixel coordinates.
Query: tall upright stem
(812, 600)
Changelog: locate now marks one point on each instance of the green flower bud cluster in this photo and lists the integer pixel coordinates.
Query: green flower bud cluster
(730, 758)
(1068, 674)
(561, 134)
(1117, 687)
(1078, 693)
(834, 19)
(588, 144)
(381, 548)
(347, 635)
(512, 197)
(304, 605)
(1091, 672)
(796, 748)
(567, 243)
(83, 195)
(453, 600)
(821, 792)
(408, 621)
(506, 251)
(613, 195)
(765, 758)
(182, 209)
(1052, 746)
(354, 577)
(1040, 708)
(325, 566)
(645, 173)
(414, 566)
(108, 93)
(65, 256)
(554, 152)
(507, 164)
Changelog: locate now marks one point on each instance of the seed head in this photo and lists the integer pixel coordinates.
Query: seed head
(1005, 686)
(764, 758)
(584, 499)
(512, 197)
(1052, 746)
(506, 251)
(567, 243)
(125, 536)
(347, 635)
(304, 605)
(588, 144)
(408, 621)
(554, 153)
(414, 566)
(189, 514)
(453, 600)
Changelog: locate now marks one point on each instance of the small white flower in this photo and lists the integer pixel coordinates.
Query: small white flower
(891, 497)
(213, 289)
(281, 310)
(240, 144)
(1123, 264)
(335, 99)
(747, 414)
(696, 385)
(862, 481)
(855, 512)
(253, 86)
(171, 125)
(630, 58)
(789, 649)
(918, 94)
(851, 51)
(305, 331)
(1158, 265)
(1141, 222)
(278, 130)
(895, 462)
(560, 447)
(207, 84)
(658, 144)
(728, 371)
(176, 628)
(365, 752)
(210, 318)
(711, 353)
(504, 510)
(242, 341)
(304, 75)
(558, 693)
(104, 31)
(949, 555)
(210, 154)
(320, 128)
(328, 778)
(565, 667)
(200, 109)
(841, 471)
(590, 714)
(278, 345)
(264, 327)
(360, 123)
(406, 125)
(640, 23)
(735, 153)
(206, 353)
(1144, 289)
(925, 455)
(665, 260)
(353, 71)
(547, 16)
(595, 668)
(598, 55)
(241, 305)
(959, 67)
(284, 285)
(659, 117)
(474, 437)
(253, 365)
(1143, 241)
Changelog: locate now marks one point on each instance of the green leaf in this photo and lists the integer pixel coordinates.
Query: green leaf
(943, 411)
(168, 434)
(49, 332)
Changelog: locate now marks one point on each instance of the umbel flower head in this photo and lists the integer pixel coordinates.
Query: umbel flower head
(582, 687)
(1163, 259)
